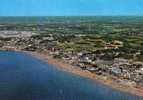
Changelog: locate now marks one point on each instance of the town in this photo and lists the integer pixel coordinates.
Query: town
(110, 55)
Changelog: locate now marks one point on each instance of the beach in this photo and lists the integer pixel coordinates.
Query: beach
(77, 71)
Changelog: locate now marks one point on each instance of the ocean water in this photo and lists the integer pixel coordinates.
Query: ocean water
(23, 77)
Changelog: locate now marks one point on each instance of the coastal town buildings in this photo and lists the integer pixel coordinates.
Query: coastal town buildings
(125, 71)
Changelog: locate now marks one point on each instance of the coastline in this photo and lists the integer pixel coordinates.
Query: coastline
(77, 71)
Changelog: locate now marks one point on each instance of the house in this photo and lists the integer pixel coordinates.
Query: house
(102, 62)
(116, 70)
(141, 71)
(91, 68)
(48, 39)
(121, 61)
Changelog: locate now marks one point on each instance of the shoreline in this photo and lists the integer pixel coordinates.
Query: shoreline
(77, 71)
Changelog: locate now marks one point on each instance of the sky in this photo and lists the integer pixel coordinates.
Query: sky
(71, 7)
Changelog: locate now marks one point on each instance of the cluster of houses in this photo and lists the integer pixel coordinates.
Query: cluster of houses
(6, 34)
(125, 71)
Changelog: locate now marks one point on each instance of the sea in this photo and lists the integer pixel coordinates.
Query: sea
(24, 77)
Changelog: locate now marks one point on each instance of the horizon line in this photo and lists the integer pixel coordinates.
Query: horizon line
(79, 16)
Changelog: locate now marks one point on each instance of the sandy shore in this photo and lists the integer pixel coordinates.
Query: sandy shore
(72, 69)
